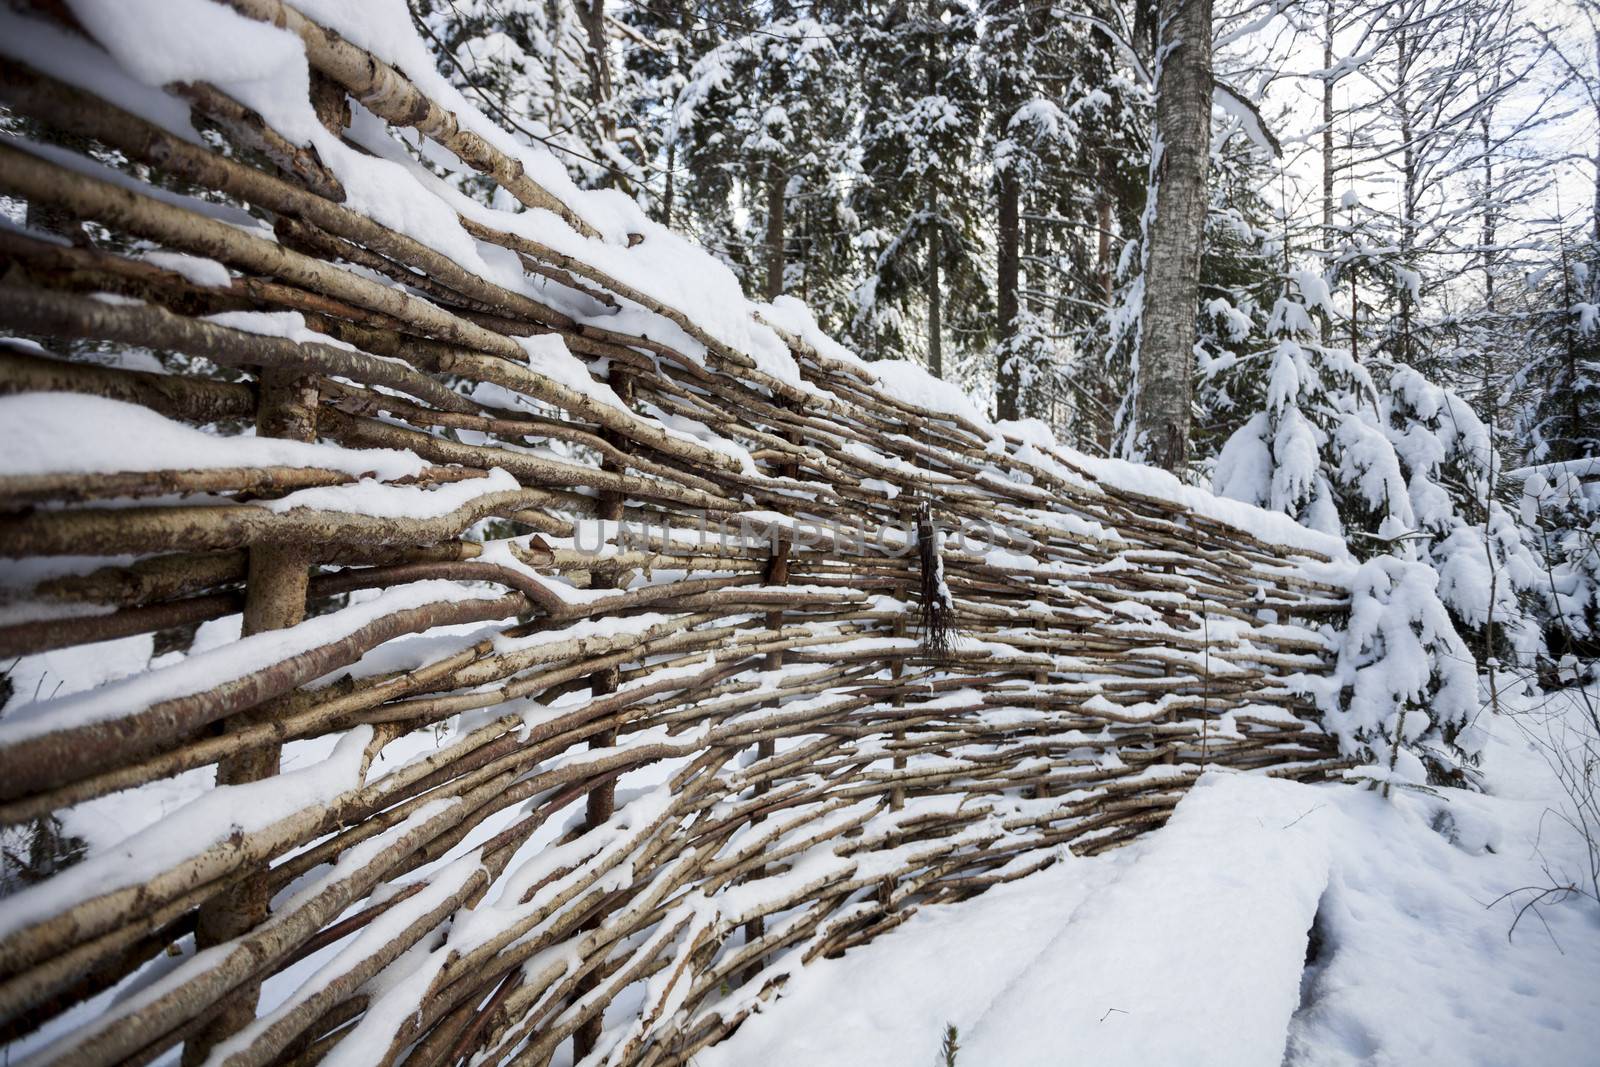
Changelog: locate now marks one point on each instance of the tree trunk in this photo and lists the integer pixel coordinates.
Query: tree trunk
(1408, 190)
(1329, 237)
(1172, 274)
(935, 306)
(1355, 321)
(594, 21)
(802, 247)
(1007, 91)
(666, 198)
(1104, 417)
(685, 28)
(776, 181)
(1008, 375)
(935, 297)
(1597, 149)
(1564, 445)
(1489, 222)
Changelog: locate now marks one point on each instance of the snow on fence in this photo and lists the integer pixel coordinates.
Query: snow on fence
(581, 648)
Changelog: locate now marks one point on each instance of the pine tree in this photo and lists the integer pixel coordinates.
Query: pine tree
(667, 38)
(927, 282)
(762, 119)
(1064, 147)
(550, 71)
(1561, 424)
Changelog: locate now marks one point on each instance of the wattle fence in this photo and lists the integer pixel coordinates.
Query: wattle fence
(461, 633)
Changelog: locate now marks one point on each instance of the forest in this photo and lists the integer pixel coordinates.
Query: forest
(682, 532)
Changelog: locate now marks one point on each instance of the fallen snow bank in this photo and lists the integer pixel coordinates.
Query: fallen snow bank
(1193, 955)
(1187, 941)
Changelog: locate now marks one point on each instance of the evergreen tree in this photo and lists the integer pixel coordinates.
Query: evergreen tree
(763, 120)
(1561, 424)
(1062, 144)
(928, 280)
(551, 71)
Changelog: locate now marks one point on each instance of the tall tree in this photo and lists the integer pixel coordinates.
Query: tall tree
(1007, 43)
(1177, 213)
(763, 118)
(920, 190)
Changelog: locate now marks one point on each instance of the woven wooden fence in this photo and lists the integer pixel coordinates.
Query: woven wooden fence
(595, 647)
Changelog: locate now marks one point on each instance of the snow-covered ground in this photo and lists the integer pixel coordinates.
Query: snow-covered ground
(1191, 946)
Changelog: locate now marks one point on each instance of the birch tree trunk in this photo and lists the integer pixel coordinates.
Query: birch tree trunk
(1596, 219)
(1172, 274)
(1408, 188)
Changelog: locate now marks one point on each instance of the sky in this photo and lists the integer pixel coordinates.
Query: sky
(1278, 61)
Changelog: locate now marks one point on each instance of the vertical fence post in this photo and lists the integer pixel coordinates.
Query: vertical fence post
(601, 803)
(275, 598)
(1171, 757)
(897, 792)
(777, 574)
(1041, 678)
(602, 799)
